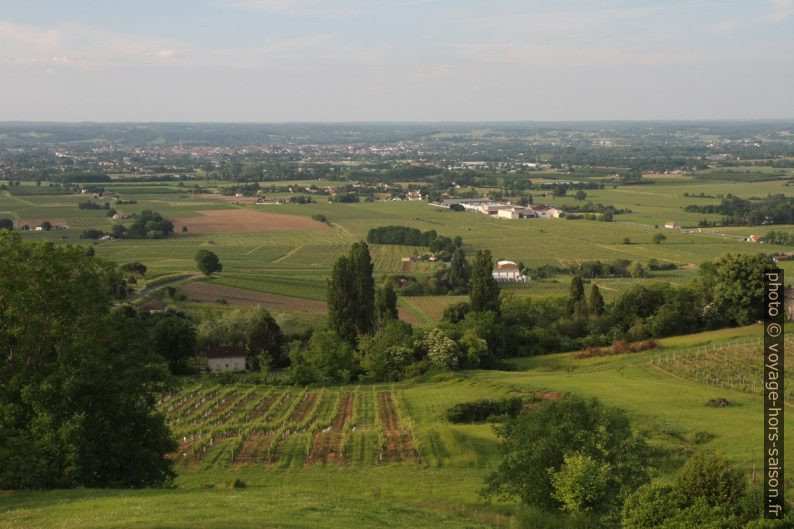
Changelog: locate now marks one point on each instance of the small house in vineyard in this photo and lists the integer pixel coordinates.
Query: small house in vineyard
(221, 358)
(508, 271)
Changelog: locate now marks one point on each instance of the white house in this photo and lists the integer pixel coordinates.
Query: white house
(226, 358)
(672, 225)
(508, 271)
(545, 212)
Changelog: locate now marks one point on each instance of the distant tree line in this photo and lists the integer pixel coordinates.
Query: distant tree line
(736, 211)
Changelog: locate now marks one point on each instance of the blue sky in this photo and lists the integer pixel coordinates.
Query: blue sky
(395, 60)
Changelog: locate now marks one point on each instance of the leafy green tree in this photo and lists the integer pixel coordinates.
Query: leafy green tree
(483, 289)
(264, 341)
(340, 293)
(80, 379)
(385, 304)
(582, 484)
(46, 225)
(459, 272)
(455, 312)
(595, 305)
(659, 238)
(534, 446)
(135, 268)
(327, 359)
(580, 195)
(6, 224)
(442, 352)
(207, 262)
(173, 335)
(737, 286)
(385, 355)
(576, 298)
(708, 476)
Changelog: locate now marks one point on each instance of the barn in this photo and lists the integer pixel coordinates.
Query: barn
(221, 358)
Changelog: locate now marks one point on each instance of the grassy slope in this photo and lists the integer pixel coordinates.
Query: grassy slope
(442, 492)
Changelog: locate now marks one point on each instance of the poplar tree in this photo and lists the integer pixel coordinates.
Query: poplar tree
(385, 304)
(341, 300)
(459, 270)
(483, 289)
(596, 301)
(576, 298)
(364, 287)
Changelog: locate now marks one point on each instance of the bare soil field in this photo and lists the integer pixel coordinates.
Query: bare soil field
(240, 297)
(326, 445)
(244, 220)
(399, 444)
(200, 291)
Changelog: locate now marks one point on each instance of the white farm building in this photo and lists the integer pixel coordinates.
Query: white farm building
(508, 271)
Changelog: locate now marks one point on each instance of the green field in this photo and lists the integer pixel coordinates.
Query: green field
(435, 479)
(297, 263)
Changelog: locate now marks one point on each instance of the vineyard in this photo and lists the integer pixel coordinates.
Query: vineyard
(237, 425)
(736, 365)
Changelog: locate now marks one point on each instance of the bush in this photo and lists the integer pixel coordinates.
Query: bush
(484, 410)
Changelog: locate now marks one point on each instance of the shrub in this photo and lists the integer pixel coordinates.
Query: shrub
(484, 410)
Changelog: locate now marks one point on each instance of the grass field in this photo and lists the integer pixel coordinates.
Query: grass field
(296, 263)
(383, 455)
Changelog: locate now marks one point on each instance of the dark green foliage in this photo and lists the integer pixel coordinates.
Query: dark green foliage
(385, 304)
(774, 209)
(458, 275)
(385, 355)
(576, 299)
(364, 287)
(595, 304)
(264, 341)
(707, 492)
(92, 234)
(401, 235)
(483, 289)
(484, 410)
(738, 286)
(340, 295)
(80, 176)
(207, 262)
(173, 336)
(149, 225)
(534, 445)
(456, 312)
(659, 238)
(351, 294)
(6, 224)
(79, 379)
(327, 359)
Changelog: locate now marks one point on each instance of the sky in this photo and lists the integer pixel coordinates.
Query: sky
(395, 60)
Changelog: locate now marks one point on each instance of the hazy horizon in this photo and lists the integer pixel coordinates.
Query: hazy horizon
(400, 61)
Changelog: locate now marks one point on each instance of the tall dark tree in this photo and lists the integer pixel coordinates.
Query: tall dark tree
(576, 298)
(483, 289)
(174, 338)
(7, 224)
(340, 294)
(596, 302)
(459, 271)
(385, 304)
(265, 341)
(364, 287)
(80, 379)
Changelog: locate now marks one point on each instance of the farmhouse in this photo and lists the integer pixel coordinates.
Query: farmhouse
(414, 195)
(508, 271)
(155, 306)
(223, 358)
(544, 212)
(672, 225)
(755, 238)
